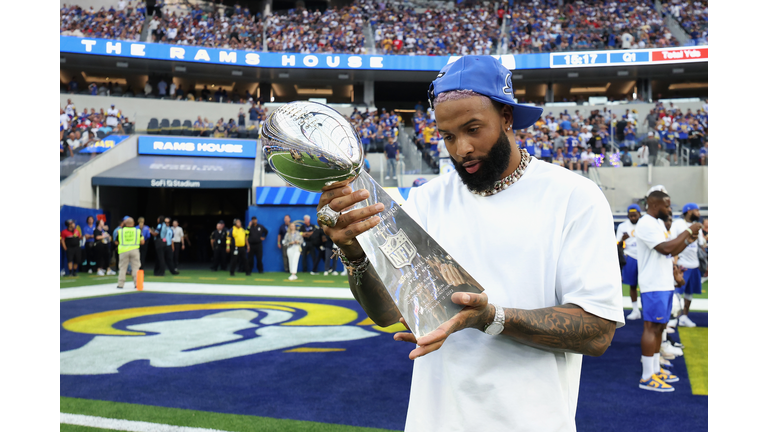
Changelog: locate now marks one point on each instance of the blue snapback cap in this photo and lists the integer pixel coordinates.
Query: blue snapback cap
(487, 76)
(126, 218)
(634, 207)
(690, 206)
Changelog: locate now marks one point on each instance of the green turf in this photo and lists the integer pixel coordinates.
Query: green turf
(696, 340)
(704, 291)
(201, 419)
(73, 428)
(209, 277)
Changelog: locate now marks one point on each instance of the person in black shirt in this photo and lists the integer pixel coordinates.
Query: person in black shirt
(101, 249)
(219, 245)
(256, 233)
(280, 236)
(307, 249)
(70, 241)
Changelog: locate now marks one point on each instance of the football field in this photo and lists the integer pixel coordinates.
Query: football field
(203, 351)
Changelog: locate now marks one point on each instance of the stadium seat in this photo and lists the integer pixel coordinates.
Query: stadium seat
(153, 127)
(186, 128)
(175, 127)
(165, 127)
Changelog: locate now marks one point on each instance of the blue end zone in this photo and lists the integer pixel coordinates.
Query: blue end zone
(366, 385)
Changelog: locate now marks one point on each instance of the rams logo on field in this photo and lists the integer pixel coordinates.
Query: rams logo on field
(232, 329)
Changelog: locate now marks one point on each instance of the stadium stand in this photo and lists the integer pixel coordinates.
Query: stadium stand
(86, 128)
(566, 139)
(111, 23)
(408, 28)
(586, 25)
(441, 29)
(693, 17)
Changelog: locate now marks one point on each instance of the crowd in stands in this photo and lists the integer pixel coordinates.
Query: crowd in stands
(545, 26)
(445, 28)
(122, 21)
(335, 30)
(199, 27)
(84, 129)
(375, 128)
(600, 138)
(468, 28)
(693, 17)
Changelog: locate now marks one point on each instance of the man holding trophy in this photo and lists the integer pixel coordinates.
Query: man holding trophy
(542, 291)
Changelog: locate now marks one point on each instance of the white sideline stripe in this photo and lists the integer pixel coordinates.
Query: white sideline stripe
(193, 288)
(697, 305)
(125, 425)
(263, 290)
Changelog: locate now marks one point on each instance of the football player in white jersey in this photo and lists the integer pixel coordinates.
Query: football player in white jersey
(626, 233)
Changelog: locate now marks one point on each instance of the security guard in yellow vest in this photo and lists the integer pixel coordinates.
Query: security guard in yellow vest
(240, 248)
(129, 239)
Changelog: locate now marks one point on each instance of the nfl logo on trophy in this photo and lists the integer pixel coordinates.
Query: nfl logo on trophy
(399, 250)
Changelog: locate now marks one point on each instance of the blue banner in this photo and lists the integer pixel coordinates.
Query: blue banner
(154, 51)
(108, 47)
(187, 146)
(104, 145)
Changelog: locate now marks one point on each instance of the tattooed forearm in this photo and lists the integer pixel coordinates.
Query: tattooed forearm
(374, 298)
(566, 328)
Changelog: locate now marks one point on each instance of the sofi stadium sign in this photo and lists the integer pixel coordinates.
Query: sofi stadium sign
(127, 49)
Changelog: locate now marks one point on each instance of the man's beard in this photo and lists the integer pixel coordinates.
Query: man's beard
(664, 217)
(694, 218)
(494, 165)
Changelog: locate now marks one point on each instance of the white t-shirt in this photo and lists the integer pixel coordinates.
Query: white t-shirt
(64, 119)
(112, 117)
(178, 233)
(546, 241)
(654, 270)
(630, 244)
(689, 257)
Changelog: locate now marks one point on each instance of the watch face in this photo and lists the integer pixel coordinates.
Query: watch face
(494, 329)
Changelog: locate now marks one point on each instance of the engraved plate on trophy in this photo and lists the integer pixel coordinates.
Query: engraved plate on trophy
(311, 145)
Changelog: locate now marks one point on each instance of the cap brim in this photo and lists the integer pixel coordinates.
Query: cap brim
(524, 116)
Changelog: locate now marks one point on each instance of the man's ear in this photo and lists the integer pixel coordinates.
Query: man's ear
(507, 115)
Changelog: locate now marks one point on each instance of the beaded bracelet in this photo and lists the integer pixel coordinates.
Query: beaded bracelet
(356, 268)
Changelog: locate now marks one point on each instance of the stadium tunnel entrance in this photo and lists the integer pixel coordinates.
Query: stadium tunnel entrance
(196, 191)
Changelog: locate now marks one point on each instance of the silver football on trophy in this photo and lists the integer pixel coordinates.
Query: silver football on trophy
(311, 145)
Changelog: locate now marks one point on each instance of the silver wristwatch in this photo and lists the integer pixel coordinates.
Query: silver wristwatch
(497, 325)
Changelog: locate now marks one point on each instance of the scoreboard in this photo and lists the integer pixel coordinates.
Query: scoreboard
(628, 57)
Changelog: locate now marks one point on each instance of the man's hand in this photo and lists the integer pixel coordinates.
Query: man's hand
(279, 246)
(625, 236)
(476, 314)
(349, 225)
(182, 246)
(227, 249)
(695, 227)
